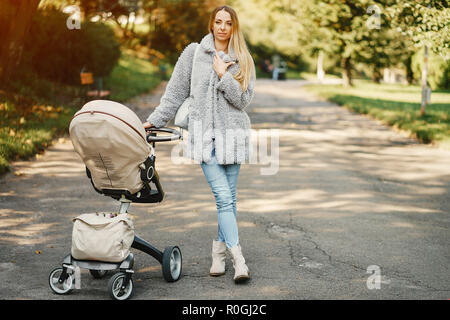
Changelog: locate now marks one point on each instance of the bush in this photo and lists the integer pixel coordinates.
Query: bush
(438, 69)
(58, 54)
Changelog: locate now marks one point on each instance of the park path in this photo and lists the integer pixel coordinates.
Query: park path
(347, 193)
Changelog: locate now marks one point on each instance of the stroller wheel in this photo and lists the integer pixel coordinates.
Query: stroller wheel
(116, 288)
(98, 274)
(171, 265)
(63, 287)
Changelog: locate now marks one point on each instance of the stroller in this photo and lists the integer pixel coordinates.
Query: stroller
(120, 163)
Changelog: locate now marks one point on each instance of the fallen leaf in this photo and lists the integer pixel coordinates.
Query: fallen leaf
(38, 252)
(18, 173)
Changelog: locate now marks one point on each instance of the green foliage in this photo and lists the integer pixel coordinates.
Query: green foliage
(438, 69)
(132, 76)
(114, 7)
(57, 53)
(273, 27)
(179, 23)
(103, 49)
(36, 105)
(277, 25)
(372, 33)
(426, 22)
(261, 52)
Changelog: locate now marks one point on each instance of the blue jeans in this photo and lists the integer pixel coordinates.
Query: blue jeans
(222, 179)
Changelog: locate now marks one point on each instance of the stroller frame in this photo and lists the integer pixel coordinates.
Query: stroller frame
(63, 279)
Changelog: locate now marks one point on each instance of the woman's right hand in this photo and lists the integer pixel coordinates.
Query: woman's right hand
(148, 125)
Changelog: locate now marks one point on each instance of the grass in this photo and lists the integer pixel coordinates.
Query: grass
(35, 112)
(131, 76)
(303, 75)
(396, 105)
(24, 134)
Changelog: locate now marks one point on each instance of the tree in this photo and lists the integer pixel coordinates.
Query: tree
(177, 23)
(277, 25)
(347, 30)
(426, 22)
(15, 21)
(383, 48)
(113, 9)
(335, 27)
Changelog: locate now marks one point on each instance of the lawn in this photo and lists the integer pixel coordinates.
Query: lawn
(131, 76)
(25, 133)
(396, 105)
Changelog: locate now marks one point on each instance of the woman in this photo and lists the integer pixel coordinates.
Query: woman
(219, 128)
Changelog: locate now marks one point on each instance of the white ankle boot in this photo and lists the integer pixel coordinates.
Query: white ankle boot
(241, 272)
(219, 249)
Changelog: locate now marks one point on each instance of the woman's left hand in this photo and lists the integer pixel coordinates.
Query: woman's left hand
(220, 66)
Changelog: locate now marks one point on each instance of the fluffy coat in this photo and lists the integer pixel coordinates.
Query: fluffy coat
(218, 108)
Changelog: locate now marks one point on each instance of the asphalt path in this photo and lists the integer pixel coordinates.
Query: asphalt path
(342, 207)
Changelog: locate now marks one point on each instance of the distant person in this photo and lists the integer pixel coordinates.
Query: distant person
(220, 99)
(276, 66)
(266, 66)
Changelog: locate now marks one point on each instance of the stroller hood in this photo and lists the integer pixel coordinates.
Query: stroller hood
(111, 141)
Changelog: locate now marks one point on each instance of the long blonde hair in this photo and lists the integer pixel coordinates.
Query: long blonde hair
(237, 42)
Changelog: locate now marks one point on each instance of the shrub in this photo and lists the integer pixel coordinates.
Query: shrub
(438, 69)
(58, 54)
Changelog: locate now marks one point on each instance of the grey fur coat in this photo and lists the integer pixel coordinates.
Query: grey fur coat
(218, 108)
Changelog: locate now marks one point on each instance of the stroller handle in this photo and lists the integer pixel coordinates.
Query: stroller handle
(152, 137)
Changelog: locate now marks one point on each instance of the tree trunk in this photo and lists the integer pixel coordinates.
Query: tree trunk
(20, 17)
(133, 24)
(409, 71)
(376, 75)
(125, 30)
(425, 89)
(320, 72)
(346, 72)
(122, 29)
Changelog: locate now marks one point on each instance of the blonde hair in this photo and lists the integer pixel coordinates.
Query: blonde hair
(237, 42)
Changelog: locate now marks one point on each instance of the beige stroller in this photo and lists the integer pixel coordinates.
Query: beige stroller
(120, 162)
